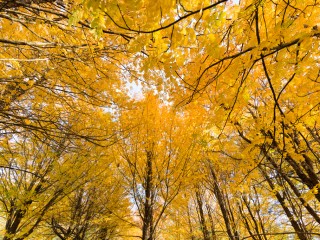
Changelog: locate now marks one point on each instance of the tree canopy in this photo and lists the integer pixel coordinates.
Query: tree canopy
(159, 119)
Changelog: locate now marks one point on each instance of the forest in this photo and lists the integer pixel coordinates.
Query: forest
(159, 119)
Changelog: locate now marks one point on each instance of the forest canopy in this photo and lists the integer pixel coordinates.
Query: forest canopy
(172, 119)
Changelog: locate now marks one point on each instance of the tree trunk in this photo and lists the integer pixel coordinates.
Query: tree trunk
(147, 228)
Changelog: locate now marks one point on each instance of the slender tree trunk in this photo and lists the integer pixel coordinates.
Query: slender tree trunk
(190, 225)
(231, 231)
(213, 231)
(147, 228)
(12, 223)
(299, 231)
(203, 224)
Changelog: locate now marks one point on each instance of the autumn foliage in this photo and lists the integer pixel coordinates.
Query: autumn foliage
(159, 119)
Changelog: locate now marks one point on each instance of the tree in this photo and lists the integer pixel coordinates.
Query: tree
(39, 172)
(93, 211)
(155, 159)
(249, 67)
(52, 108)
(50, 70)
(29, 189)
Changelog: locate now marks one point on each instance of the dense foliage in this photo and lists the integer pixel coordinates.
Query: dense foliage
(181, 119)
